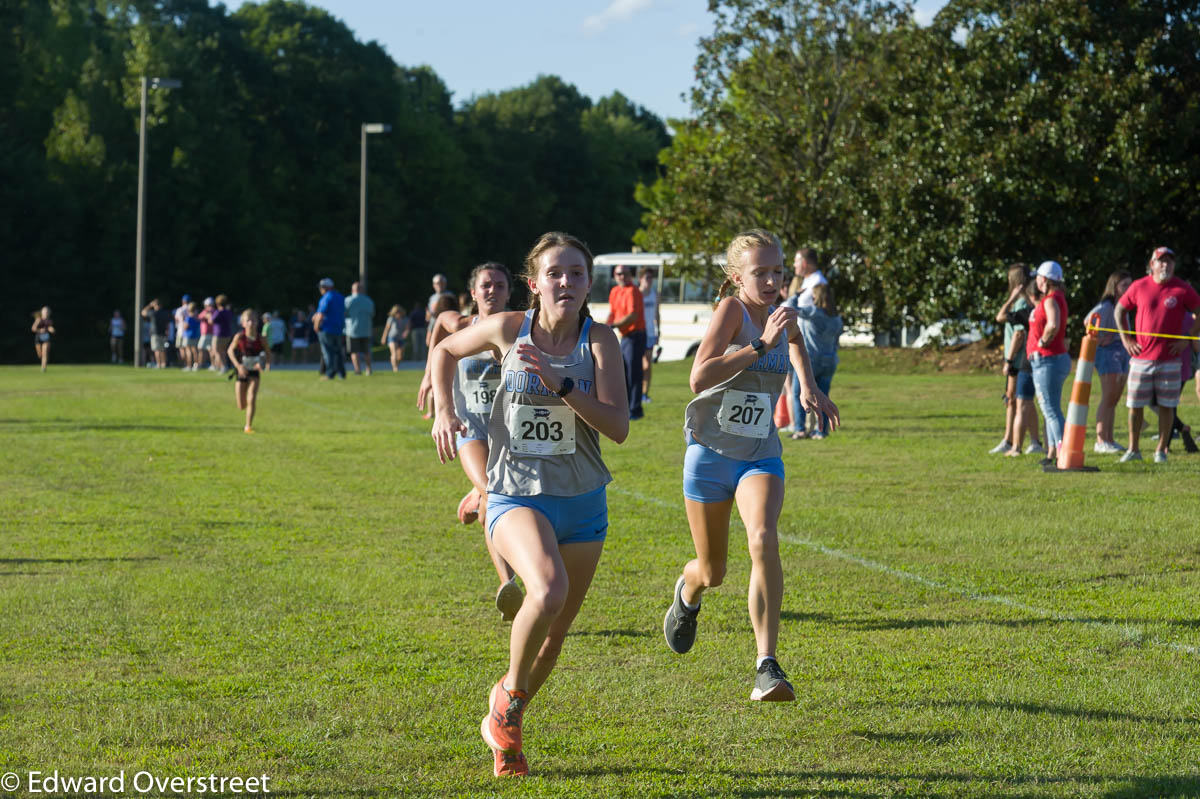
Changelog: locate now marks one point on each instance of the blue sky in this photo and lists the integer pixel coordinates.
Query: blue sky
(645, 49)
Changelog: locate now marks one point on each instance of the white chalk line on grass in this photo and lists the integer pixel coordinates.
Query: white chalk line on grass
(1126, 632)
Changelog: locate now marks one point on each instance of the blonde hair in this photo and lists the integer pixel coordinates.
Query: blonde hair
(753, 239)
(822, 296)
(249, 314)
(548, 241)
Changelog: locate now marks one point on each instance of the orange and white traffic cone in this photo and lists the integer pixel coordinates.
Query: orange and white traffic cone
(1070, 451)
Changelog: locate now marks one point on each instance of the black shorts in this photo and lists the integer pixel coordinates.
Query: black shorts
(359, 345)
(253, 374)
(277, 348)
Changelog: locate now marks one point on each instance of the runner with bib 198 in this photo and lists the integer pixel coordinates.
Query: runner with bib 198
(475, 383)
(562, 385)
(733, 448)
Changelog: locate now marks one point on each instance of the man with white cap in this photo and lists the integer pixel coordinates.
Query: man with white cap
(1158, 302)
(328, 321)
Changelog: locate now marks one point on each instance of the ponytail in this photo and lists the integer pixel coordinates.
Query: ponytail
(721, 291)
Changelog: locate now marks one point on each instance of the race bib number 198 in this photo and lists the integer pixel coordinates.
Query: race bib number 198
(745, 413)
(541, 429)
(479, 395)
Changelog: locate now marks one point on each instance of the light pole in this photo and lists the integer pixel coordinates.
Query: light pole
(368, 127)
(140, 257)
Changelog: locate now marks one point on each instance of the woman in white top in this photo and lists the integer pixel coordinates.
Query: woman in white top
(646, 278)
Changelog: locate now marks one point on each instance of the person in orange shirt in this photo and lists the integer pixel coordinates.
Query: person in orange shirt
(626, 314)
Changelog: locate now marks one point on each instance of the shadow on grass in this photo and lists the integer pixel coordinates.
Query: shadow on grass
(1067, 711)
(935, 738)
(1171, 786)
(15, 561)
(791, 615)
(612, 633)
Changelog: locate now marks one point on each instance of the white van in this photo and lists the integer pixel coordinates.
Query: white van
(684, 304)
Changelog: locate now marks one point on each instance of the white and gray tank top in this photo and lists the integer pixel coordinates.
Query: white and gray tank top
(736, 417)
(537, 444)
(475, 384)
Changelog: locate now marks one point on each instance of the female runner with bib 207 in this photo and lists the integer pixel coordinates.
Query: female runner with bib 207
(562, 385)
(733, 449)
(475, 383)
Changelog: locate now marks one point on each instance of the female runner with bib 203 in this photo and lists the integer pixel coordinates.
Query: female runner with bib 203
(475, 383)
(562, 384)
(733, 449)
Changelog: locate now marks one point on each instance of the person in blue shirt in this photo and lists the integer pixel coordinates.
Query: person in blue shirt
(328, 321)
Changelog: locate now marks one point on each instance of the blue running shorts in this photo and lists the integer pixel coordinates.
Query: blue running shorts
(709, 476)
(575, 520)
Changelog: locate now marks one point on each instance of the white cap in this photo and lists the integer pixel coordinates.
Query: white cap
(326, 283)
(1050, 270)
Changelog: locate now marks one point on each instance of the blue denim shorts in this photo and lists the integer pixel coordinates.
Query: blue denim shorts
(1112, 359)
(575, 520)
(1025, 389)
(709, 476)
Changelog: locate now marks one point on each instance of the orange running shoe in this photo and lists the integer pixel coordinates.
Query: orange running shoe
(468, 509)
(510, 765)
(501, 727)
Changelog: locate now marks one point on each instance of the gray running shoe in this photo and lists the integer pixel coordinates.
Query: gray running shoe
(679, 625)
(1032, 448)
(771, 684)
(1130, 455)
(509, 599)
(1000, 448)
(1160, 456)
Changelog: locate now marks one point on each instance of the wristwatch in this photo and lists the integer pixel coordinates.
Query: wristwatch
(567, 385)
(758, 345)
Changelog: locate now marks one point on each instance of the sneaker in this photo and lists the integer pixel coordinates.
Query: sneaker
(1189, 443)
(468, 508)
(1034, 447)
(1107, 448)
(771, 684)
(816, 435)
(1000, 448)
(509, 765)
(248, 429)
(679, 625)
(509, 599)
(501, 727)
(645, 399)
(1130, 455)
(1160, 456)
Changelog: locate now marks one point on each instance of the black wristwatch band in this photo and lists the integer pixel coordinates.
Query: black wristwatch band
(567, 385)
(758, 345)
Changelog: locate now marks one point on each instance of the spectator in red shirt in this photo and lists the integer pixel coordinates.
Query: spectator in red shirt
(626, 314)
(1159, 302)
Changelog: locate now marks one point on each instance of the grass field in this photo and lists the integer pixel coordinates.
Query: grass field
(183, 599)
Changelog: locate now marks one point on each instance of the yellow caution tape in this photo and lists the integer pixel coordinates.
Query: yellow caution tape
(1141, 333)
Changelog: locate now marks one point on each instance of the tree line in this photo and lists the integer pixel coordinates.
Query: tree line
(253, 164)
(921, 161)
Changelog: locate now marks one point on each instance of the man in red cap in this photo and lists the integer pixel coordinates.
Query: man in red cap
(1159, 302)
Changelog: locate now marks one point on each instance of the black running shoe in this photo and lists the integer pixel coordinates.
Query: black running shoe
(679, 626)
(771, 684)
